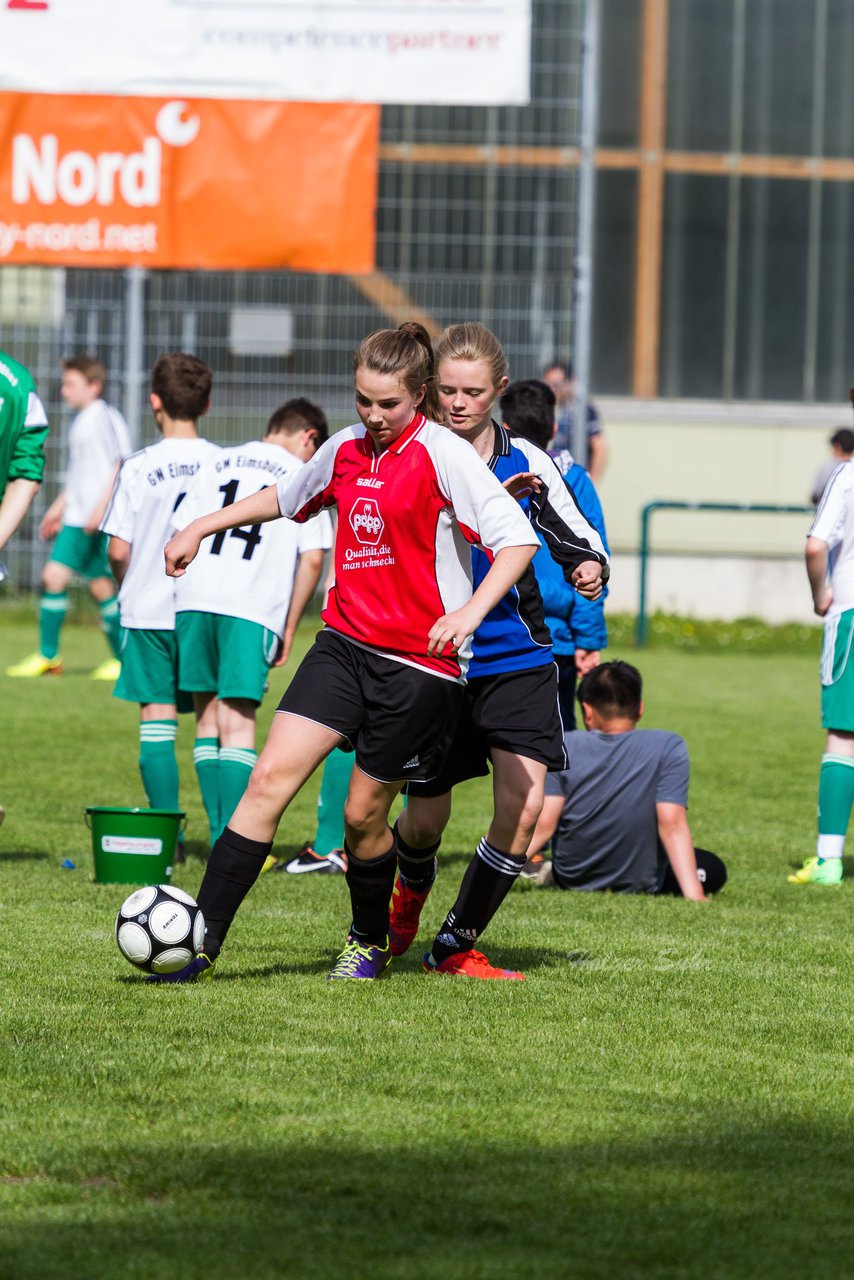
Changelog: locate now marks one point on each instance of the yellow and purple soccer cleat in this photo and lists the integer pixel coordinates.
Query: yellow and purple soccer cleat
(200, 969)
(359, 960)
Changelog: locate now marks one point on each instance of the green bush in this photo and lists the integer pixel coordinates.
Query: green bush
(741, 635)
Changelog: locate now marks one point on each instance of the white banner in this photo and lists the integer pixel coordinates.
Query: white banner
(418, 51)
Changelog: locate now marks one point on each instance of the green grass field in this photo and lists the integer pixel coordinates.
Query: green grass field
(668, 1095)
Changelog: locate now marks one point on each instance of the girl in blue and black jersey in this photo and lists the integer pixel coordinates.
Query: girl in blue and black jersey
(512, 716)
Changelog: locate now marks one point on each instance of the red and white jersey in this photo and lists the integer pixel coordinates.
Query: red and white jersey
(406, 520)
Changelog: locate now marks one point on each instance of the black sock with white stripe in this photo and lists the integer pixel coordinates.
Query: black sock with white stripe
(486, 883)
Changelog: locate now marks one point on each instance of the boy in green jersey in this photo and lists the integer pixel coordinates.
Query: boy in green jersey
(23, 427)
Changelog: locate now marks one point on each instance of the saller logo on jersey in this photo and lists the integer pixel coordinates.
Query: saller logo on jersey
(366, 522)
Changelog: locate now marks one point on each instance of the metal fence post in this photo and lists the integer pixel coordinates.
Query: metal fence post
(582, 338)
(640, 628)
(134, 373)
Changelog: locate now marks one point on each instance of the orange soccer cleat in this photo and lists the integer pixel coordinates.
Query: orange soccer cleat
(469, 964)
(406, 907)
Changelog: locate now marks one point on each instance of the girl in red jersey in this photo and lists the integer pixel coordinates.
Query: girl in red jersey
(386, 674)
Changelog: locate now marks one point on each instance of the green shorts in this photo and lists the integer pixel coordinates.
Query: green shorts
(84, 553)
(150, 669)
(837, 673)
(226, 656)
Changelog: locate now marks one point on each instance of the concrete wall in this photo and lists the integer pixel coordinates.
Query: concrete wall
(714, 565)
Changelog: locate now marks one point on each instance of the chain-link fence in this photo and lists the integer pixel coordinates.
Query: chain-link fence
(467, 228)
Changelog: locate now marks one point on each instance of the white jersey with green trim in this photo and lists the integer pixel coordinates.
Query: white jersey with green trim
(98, 438)
(247, 572)
(834, 524)
(152, 483)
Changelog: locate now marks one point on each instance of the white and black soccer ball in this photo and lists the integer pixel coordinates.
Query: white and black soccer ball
(160, 929)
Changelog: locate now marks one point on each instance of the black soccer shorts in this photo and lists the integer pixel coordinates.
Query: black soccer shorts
(399, 720)
(515, 711)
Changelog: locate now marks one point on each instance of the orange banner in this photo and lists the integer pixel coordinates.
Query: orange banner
(152, 182)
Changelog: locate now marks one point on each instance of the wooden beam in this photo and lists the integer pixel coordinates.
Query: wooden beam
(755, 166)
(626, 158)
(394, 302)
(650, 199)
(611, 158)
(503, 157)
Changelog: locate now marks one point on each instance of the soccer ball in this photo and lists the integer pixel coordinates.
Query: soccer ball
(159, 929)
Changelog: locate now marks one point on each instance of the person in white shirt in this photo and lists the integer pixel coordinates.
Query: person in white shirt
(842, 450)
(98, 439)
(150, 486)
(830, 569)
(237, 613)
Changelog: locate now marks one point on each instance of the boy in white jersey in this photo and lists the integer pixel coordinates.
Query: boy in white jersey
(98, 439)
(830, 546)
(236, 614)
(150, 486)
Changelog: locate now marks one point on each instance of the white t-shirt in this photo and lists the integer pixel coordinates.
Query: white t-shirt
(98, 438)
(834, 524)
(150, 485)
(246, 572)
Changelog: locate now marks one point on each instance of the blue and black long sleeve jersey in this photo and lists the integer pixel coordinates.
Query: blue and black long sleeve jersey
(574, 621)
(514, 635)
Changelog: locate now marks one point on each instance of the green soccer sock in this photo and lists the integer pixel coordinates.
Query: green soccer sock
(235, 766)
(52, 611)
(206, 760)
(835, 798)
(330, 804)
(109, 611)
(158, 763)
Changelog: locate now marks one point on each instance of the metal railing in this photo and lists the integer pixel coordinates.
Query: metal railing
(645, 548)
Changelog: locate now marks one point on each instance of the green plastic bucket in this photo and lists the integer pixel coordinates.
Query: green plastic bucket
(133, 846)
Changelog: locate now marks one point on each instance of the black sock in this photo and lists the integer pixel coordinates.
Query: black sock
(488, 880)
(370, 885)
(416, 866)
(233, 867)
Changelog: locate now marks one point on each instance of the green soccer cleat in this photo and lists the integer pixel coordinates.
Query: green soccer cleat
(816, 871)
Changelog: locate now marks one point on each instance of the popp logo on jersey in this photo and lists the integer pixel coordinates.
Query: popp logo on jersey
(79, 177)
(366, 522)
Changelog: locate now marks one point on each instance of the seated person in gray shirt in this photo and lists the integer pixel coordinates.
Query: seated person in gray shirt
(617, 815)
